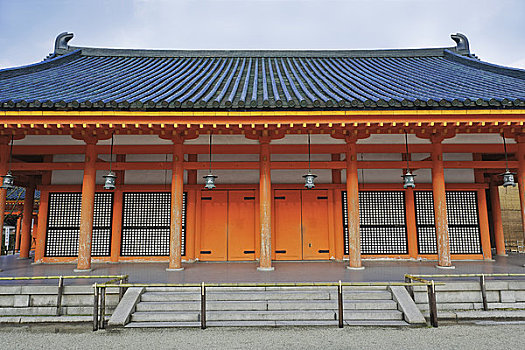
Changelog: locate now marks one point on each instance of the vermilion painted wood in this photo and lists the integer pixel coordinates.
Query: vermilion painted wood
(265, 206)
(42, 226)
(484, 225)
(191, 228)
(17, 234)
(177, 189)
(440, 204)
(214, 226)
(116, 225)
(241, 225)
(4, 159)
(254, 149)
(288, 238)
(315, 224)
(497, 222)
(352, 191)
(87, 207)
(25, 240)
(411, 223)
(255, 165)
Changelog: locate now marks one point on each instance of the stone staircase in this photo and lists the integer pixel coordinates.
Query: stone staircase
(265, 306)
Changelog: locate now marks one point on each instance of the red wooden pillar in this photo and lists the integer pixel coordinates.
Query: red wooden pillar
(440, 203)
(116, 225)
(42, 223)
(177, 188)
(87, 207)
(25, 234)
(410, 207)
(352, 197)
(499, 238)
(521, 176)
(265, 206)
(192, 174)
(17, 234)
(4, 159)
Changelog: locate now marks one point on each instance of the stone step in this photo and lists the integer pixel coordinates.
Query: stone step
(276, 315)
(49, 311)
(333, 323)
(268, 295)
(267, 305)
(260, 289)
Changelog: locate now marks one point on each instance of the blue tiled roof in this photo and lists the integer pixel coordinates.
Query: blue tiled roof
(87, 78)
(18, 193)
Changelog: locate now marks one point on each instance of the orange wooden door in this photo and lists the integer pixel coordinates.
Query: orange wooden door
(316, 245)
(288, 242)
(214, 226)
(241, 225)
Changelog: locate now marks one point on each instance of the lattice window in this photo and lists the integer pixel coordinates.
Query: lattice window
(463, 222)
(146, 224)
(63, 224)
(382, 222)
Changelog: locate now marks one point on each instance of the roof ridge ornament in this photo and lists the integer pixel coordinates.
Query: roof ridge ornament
(462, 43)
(62, 40)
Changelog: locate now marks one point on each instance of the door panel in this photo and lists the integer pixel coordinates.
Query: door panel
(214, 229)
(288, 225)
(315, 225)
(241, 225)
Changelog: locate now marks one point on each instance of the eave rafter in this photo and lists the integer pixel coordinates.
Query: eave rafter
(277, 123)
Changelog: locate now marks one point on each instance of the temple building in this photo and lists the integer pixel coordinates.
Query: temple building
(181, 156)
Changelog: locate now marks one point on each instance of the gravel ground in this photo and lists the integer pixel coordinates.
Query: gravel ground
(494, 336)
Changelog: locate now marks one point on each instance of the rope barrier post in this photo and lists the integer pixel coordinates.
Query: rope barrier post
(59, 295)
(431, 291)
(120, 291)
(95, 307)
(340, 303)
(483, 292)
(410, 288)
(102, 308)
(203, 306)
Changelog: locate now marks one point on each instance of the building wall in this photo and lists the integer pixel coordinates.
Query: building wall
(511, 213)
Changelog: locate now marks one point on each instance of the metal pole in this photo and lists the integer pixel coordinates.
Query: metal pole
(59, 295)
(120, 291)
(483, 292)
(95, 307)
(431, 290)
(410, 289)
(102, 307)
(203, 306)
(340, 303)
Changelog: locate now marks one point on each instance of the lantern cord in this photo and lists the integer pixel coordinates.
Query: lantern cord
(505, 148)
(111, 153)
(11, 152)
(309, 167)
(210, 152)
(406, 147)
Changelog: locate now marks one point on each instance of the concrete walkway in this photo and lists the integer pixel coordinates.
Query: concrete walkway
(376, 270)
(503, 336)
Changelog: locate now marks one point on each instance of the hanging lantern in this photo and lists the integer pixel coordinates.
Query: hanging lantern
(110, 178)
(508, 179)
(309, 177)
(8, 181)
(210, 178)
(210, 181)
(408, 177)
(408, 180)
(309, 180)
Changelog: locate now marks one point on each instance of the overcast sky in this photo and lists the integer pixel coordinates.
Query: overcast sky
(495, 28)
